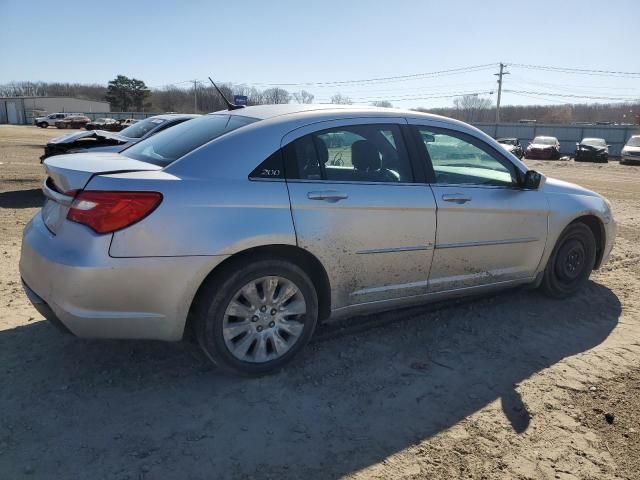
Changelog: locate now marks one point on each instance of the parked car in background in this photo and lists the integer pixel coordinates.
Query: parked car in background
(543, 148)
(631, 151)
(512, 145)
(592, 150)
(73, 121)
(127, 122)
(51, 119)
(239, 228)
(103, 141)
(109, 124)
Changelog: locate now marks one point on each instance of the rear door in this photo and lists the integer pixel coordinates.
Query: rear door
(358, 205)
(489, 229)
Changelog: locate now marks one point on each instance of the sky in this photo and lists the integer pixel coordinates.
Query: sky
(310, 44)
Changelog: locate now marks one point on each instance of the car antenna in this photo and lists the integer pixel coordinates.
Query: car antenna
(230, 106)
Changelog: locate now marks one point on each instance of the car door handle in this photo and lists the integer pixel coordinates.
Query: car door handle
(456, 198)
(328, 195)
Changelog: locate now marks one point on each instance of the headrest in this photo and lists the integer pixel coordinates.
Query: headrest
(365, 156)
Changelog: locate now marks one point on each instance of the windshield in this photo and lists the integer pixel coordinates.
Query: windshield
(633, 142)
(545, 140)
(140, 129)
(594, 142)
(175, 142)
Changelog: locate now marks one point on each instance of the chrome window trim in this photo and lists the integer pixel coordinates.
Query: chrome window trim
(396, 249)
(487, 242)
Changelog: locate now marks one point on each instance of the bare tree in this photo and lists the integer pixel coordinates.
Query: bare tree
(276, 95)
(303, 97)
(470, 106)
(340, 99)
(382, 103)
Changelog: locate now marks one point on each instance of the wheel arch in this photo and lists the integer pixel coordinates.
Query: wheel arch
(299, 256)
(597, 228)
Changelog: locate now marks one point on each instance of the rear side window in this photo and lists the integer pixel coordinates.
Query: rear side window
(173, 143)
(140, 129)
(354, 153)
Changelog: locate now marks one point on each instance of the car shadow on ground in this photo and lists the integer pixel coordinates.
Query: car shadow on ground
(22, 198)
(84, 409)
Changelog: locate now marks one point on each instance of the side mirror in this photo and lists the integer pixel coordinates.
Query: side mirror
(428, 138)
(533, 180)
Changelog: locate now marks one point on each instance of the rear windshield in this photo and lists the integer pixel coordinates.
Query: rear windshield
(140, 129)
(175, 142)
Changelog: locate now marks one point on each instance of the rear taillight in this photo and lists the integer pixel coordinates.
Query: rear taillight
(106, 212)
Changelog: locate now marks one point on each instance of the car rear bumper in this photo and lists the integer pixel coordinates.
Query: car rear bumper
(96, 296)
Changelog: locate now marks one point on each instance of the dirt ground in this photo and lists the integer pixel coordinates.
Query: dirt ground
(513, 386)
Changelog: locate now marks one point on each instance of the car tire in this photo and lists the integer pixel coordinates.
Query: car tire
(571, 262)
(43, 125)
(257, 329)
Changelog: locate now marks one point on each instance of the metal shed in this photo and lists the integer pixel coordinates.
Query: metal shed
(22, 110)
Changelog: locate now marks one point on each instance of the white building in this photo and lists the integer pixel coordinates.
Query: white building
(22, 110)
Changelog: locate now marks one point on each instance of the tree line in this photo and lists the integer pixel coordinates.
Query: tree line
(471, 108)
(129, 94)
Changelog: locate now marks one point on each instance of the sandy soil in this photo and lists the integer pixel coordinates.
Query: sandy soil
(510, 386)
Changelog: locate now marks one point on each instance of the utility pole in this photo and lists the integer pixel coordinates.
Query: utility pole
(499, 75)
(195, 96)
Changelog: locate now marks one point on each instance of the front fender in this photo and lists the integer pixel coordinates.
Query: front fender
(565, 208)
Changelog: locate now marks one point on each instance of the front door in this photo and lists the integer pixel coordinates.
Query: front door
(489, 229)
(357, 207)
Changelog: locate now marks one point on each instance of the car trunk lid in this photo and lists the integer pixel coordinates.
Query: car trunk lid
(69, 174)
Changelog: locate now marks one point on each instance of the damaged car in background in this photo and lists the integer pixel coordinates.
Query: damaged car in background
(592, 150)
(110, 124)
(103, 141)
(512, 145)
(631, 151)
(543, 148)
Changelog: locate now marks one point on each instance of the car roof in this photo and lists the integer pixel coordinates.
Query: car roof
(174, 116)
(593, 138)
(291, 112)
(507, 138)
(545, 136)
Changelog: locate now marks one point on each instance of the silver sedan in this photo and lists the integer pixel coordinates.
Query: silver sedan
(247, 227)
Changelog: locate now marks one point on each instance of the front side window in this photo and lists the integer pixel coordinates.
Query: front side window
(460, 159)
(173, 143)
(355, 153)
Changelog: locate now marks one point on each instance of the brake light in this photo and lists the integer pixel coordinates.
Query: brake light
(106, 212)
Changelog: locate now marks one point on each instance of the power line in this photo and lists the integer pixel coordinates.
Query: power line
(406, 98)
(568, 95)
(374, 80)
(581, 71)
